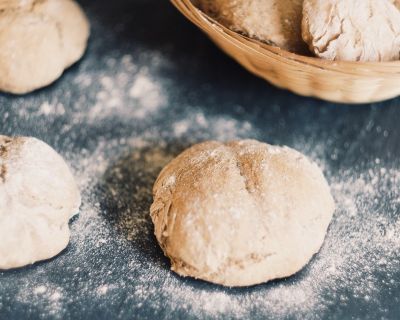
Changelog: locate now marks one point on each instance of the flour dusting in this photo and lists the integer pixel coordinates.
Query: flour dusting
(116, 178)
(118, 126)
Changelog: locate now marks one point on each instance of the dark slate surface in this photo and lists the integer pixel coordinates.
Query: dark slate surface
(199, 78)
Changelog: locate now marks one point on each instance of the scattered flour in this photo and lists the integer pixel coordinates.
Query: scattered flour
(49, 298)
(113, 258)
(102, 290)
(121, 98)
(363, 240)
(39, 290)
(49, 109)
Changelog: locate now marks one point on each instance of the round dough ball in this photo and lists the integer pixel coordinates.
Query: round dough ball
(277, 22)
(358, 30)
(240, 213)
(38, 40)
(38, 196)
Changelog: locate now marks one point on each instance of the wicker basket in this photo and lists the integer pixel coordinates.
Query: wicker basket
(338, 81)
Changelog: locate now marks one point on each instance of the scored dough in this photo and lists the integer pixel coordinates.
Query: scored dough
(38, 40)
(277, 22)
(358, 30)
(240, 213)
(38, 196)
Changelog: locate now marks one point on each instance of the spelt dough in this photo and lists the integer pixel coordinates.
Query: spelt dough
(358, 30)
(38, 196)
(277, 22)
(240, 213)
(38, 40)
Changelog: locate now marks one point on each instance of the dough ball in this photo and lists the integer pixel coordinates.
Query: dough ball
(358, 30)
(38, 40)
(38, 196)
(240, 213)
(277, 22)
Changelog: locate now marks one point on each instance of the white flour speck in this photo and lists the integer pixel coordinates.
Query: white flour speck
(40, 290)
(102, 290)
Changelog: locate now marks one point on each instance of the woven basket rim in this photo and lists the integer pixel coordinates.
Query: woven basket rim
(196, 16)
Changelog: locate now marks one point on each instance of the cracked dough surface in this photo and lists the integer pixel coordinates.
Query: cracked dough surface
(38, 40)
(240, 213)
(277, 22)
(38, 196)
(358, 30)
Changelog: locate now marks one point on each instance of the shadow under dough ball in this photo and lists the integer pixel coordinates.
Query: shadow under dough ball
(240, 213)
(39, 39)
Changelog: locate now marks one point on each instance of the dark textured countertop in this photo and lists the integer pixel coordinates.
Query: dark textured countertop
(150, 85)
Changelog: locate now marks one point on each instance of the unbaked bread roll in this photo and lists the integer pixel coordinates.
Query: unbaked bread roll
(38, 196)
(240, 213)
(357, 30)
(277, 22)
(38, 40)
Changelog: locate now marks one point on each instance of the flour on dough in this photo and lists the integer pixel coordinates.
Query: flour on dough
(38, 196)
(277, 22)
(357, 30)
(240, 213)
(38, 40)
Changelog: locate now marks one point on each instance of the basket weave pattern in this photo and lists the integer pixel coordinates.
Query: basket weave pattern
(338, 81)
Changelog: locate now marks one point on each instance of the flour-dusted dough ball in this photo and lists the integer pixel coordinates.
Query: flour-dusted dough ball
(38, 40)
(240, 213)
(38, 196)
(357, 30)
(277, 22)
